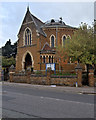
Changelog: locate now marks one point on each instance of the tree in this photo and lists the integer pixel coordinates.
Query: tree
(7, 62)
(95, 43)
(81, 46)
(9, 50)
(61, 56)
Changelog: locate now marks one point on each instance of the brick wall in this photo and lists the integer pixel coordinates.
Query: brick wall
(44, 79)
(19, 78)
(64, 80)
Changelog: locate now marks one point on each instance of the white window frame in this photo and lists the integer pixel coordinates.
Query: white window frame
(62, 39)
(68, 36)
(29, 37)
(54, 40)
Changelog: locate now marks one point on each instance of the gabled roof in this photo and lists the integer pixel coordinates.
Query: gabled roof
(47, 49)
(38, 23)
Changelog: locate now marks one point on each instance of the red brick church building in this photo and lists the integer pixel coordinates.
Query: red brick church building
(37, 42)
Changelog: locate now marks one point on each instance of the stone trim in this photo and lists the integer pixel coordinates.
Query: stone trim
(66, 76)
(63, 37)
(28, 46)
(23, 59)
(54, 40)
(27, 38)
(27, 23)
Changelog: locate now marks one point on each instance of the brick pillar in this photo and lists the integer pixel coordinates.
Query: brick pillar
(11, 73)
(79, 75)
(48, 82)
(28, 77)
(11, 77)
(91, 77)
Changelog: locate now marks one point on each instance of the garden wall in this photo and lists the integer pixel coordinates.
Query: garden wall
(43, 79)
(50, 78)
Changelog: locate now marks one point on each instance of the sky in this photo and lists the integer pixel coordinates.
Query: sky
(95, 10)
(12, 15)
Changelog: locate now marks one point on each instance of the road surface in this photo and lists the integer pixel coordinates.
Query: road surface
(38, 102)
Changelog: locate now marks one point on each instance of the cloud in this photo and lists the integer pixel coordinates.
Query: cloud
(95, 10)
(2, 16)
(12, 14)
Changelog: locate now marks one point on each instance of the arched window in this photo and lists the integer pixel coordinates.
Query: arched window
(52, 59)
(63, 40)
(44, 59)
(68, 37)
(49, 59)
(40, 59)
(28, 37)
(52, 41)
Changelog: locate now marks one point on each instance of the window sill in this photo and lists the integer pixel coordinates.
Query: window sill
(27, 46)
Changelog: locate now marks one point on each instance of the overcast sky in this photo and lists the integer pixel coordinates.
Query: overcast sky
(12, 14)
(95, 10)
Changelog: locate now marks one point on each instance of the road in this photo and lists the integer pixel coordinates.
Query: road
(37, 102)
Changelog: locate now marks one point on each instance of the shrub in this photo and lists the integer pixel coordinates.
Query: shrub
(60, 73)
(6, 62)
(38, 72)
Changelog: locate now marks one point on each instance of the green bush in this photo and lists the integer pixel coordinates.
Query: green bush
(38, 72)
(6, 62)
(65, 74)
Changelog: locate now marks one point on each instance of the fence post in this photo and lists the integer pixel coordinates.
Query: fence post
(48, 82)
(11, 72)
(28, 75)
(91, 77)
(78, 69)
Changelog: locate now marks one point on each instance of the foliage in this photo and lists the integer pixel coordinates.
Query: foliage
(65, 74)
(61, 55)
(38, 72)
(6, 62)
(9, 50)
(81, 46)
(95, 37)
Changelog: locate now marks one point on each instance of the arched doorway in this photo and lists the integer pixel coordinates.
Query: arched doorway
(28, 61)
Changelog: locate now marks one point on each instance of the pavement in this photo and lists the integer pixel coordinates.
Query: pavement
(80, 90)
